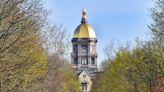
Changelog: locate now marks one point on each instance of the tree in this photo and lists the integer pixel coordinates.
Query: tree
(33, 56)
(157, 44)
(22, 57)
(130, 71)
(140, 69)
(114, 79)
(59, 77)
(157, 27)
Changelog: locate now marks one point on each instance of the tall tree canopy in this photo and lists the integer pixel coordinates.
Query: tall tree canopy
(29, 60)
(22, 58)
(157, 27)
(140, 69)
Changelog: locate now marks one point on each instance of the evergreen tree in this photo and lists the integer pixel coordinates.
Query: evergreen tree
(157, 27)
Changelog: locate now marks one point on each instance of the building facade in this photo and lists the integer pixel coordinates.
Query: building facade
(84, 55)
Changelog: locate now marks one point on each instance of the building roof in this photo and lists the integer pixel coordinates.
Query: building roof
(90, 71)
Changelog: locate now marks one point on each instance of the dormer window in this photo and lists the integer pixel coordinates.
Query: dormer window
(84, 76)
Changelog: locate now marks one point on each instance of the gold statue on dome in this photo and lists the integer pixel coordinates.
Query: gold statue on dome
(84, 12)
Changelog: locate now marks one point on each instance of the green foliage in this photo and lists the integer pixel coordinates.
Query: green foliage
(22, 57)
(60, 76)
(70, 82)
(138, 70)
(112, 80)
(131, 71)
(157, 27)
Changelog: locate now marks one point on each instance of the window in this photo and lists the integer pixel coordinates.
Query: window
(93, 60)
(84, 86)
(84, 76)
(75, 48)
(84, 50)
(84, 61)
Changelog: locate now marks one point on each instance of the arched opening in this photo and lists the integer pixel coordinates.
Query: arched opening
(84, 86)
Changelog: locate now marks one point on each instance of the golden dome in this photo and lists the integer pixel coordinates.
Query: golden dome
(84, 30)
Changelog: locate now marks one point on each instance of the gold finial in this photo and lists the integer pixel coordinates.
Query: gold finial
(84, 12)
(84, 16)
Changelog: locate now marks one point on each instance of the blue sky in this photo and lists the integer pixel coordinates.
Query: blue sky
(122, 20)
